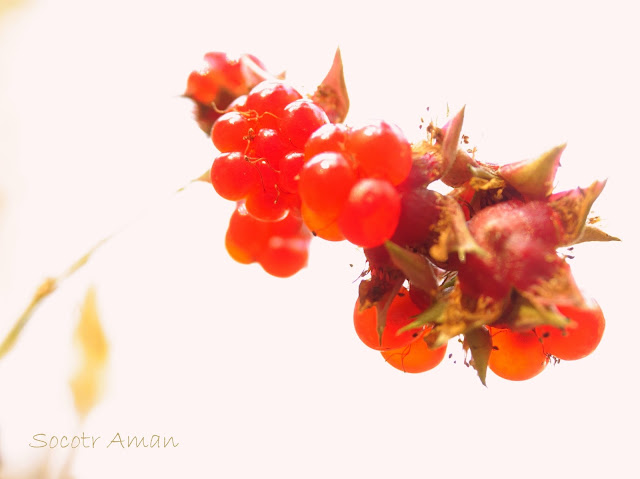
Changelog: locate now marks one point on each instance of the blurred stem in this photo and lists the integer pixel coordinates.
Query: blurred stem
(51, 284)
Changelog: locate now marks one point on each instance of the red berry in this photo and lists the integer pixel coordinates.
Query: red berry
(246, 236)
(416, 357)
(329, 137)
(233, 177)
(270, 146)
(381, 150)
(219, 82)
(289, 175)
(419, 214)
(269, 99)
(267, 202)
(231, 132)
(325, 183)
(371, 212)
(284, 257)
(239, 104)
(577, 342)
(300, 119)
(516, 356)
(290, 225)
(400, 314)
(321, 227)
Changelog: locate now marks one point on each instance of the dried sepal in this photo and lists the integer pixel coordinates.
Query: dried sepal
(526, 315)
(437, 158)
(430, 316)
(560, 289)
(591, 233)
(534, 178)
(415, 267)
(453, 234)
(464, 168)
(379, 292)
(332, 94)
(573, 208)
(450, 138)
(478, 342)
(462, 314)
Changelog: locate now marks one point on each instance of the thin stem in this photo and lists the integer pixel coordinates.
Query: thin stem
(51, 284)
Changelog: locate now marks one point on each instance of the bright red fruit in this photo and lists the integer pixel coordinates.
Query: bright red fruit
(266, 205)
(269, 99)
(577, 342)
(233, 177)
(516, 356)
(381, 150)
(371, 213)
(400, 314)
(321, 227)
(289, 174)
(246, 236)
(329, 137)
(269, 145)
(221, 80)
(267, 202)
(231, 132)
(300, 119)
(284, 257)
(416, 357)
(325, 183)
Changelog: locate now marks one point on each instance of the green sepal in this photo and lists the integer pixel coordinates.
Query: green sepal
(534, 178)
(432, 315)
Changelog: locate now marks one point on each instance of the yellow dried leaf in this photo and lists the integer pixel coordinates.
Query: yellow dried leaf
(93, 352)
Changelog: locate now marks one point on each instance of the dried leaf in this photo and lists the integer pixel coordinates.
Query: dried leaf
(463, 314)
(416, 267)
(93, 353)
(478, 341)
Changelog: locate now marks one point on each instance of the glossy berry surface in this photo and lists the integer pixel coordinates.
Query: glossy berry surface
(578, 341)
(516, 356)
(416, 357)
(325, 184)
(329, 137)
(381, 150)
(231, 132)
(371, 213)
(233, 177)
(285, 256)
(300, 119)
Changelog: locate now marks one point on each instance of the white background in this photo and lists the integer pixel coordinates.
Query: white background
(261, 377)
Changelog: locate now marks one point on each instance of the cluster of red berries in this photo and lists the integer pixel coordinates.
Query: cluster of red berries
(219, 81)
(479, 263)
